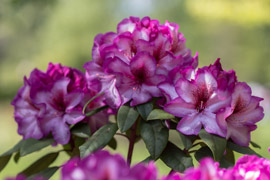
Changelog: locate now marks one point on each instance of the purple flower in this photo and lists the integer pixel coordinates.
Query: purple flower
(51, 101)
(128, 65)
(252, 168)
(102, 165)
(239, 119)
(207, 170)
(198, 101)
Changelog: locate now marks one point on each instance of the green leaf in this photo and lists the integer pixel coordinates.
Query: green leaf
(99, 139)
(202, 153)
(32, 145)
(81, 130)
(255, 145)
(241, 149)
(17, 157)
(159, 114)
(228, 160)
(4, 161)
(175, 158)
(147, 160)
(5, 157)
(185, 141)
(46, 173)
(113, 144)
(155, 137)
(14, 149)
(95, 111)
(145, 109)
(126, 117)
(40, 165)
(215, 143)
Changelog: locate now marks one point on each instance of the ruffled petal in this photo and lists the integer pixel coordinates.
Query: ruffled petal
(143, 65)
(180, 108)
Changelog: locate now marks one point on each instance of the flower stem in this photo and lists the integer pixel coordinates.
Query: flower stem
(132, 140)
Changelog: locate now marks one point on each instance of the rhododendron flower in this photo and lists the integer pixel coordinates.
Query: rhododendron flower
(102, 165)
(207, 170)
(49, 102)
(129, 64)
(252, 168)
(198, 101)
(239, 119)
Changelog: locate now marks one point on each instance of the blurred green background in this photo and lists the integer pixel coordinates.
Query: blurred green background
(35, 32)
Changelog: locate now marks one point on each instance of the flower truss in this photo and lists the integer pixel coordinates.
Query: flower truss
(142, 83)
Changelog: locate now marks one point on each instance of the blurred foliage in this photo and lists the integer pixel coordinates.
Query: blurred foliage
(35, 32)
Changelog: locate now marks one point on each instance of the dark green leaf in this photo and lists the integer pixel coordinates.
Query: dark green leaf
(17, 157)
(255, 145)
(202, 153)
(95, 111)
(5, 157)
(4, 161)
(14, 149)
(215, 143)
(175, 158)
(147, 160)
(126, 117)
(145, 109)
(228, 160)
(159, 114)
(241, 149)
(99, 139)
(185, 141)
(155, 137)
(40, 165)
(81, 130)
(113, 144)
(46, 173)
(32, 145)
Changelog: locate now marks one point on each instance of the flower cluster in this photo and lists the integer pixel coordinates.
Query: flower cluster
(146, 69)
(130, 63)
(213, 99)
(51, 101)
(103, 165)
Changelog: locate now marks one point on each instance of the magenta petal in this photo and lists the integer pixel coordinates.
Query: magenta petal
(190, 125)
(241, 95)
(240, 135)
(72, 100)
(218, 101)
(179, 107)
(59, 89)
(143, 65)
(186, 90)
(206, 81)
(126, 25)
(61, 131)
(29, 127)
(168, 90)
(210, 124)
(73, 117)
(140, 96)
